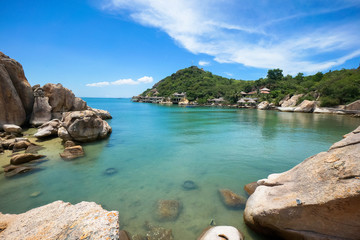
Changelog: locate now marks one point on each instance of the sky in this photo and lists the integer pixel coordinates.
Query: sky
(119, 48)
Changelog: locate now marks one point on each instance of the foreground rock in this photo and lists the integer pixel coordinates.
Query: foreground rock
(221, 232)
(83, 126)
(48, 129)
(72, 152)
(24, 158)
(15, 89)
(317, 199)
(60, 220)
(231, 199)
(250, 187)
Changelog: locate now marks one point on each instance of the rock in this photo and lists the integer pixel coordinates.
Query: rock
(8, 144)
(72, 152)
(231, 199)
(123, 235)
(221, 233)
(69, 144)
(354, 106)
(184, 101)
(292, 101)
(250, 187)
(83, 126)
(103, 114)
(110, 171)
(15, 89)
(306, 106)
(322, 110)
(18, 170)
(60, 220)
(263, 105)
(11, 128)
(286, 109)
(189, 185)
(35, 194)
(79, 105)
(48, 129)
(41, 111)
(1, 148)
(24, 158)
(158, 233)
(168, 209)
(21, 145)
(317, 199)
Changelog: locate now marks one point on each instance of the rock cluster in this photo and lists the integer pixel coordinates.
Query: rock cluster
(317, 199)
(60, 220)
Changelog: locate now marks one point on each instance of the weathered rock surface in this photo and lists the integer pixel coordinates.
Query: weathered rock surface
(62, 100)
(72, 152)
(263, 105)
(103, 114)
(168, 209)
(12, 128)
(48, 129)
(292, 101)
(221, 232)
(286, 109)
(15, 89)
(83, 126)
(306, 106)
(41, 110)
(60, 220)
(317, 199)
(158, 233)
(231, 199)
(14, 170)
(250, 187)
(24, 158)
(354, 106)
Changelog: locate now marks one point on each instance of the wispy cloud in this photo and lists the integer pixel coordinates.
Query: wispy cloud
(252, 34)
(204, 63)
(127, 81)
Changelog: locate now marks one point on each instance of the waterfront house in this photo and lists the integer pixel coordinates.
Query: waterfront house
(177, 97)
(216, 101)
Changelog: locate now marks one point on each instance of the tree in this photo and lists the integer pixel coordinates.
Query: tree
(274, 75)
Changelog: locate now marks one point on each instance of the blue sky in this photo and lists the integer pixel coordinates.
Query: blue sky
(119, 48)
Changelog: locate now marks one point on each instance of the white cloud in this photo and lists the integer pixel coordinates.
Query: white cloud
(251, 33)
(204, 63)
(146, 79)
(127, 81)
(99, 84)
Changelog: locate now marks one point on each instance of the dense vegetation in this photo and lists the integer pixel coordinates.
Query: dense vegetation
(332, 88)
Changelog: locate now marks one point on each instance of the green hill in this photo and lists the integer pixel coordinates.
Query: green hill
(332, 88)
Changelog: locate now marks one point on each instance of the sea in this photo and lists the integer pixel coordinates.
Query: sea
(154, 149)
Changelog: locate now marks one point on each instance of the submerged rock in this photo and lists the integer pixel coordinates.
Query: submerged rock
(14, 170)
(72, 152)
(250, 187)
(168, 209)
(158, 233)
(231, 199)
(24, 158)
(110, 171)
(189, 185)
(60, 220)
(221, 233)
(317, 199)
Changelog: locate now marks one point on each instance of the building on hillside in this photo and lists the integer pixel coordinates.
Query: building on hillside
(216, 101)
(177, 97)
(264, 90)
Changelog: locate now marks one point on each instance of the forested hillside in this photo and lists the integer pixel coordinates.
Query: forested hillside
(332, 88)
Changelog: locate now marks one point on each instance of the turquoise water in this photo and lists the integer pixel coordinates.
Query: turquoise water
(156, 148)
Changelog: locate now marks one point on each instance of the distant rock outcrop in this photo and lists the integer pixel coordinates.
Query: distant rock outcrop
(354, 106)
(60, 220)
(306, 106)
(291, 102)
(16, 96)
(317, 199)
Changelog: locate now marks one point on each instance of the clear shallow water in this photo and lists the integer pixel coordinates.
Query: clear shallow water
(156, 148)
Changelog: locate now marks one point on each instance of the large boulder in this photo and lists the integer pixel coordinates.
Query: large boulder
(22, 87)
(317, 199)
(48, 129)
(60, 220)
(306, 106)
(83, 126)
(41, 109)
(62, 99)
(263, 105)
(103, 114)
(291, 102)
(24, 158)
(354, 106)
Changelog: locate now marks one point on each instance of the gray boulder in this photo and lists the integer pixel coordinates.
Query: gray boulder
(103, 114)
(83, 126)
(317, 199)
(291, 102)
(41, 111)
(60, 220)
(306, 106)
(12, 128)
(48, 129)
